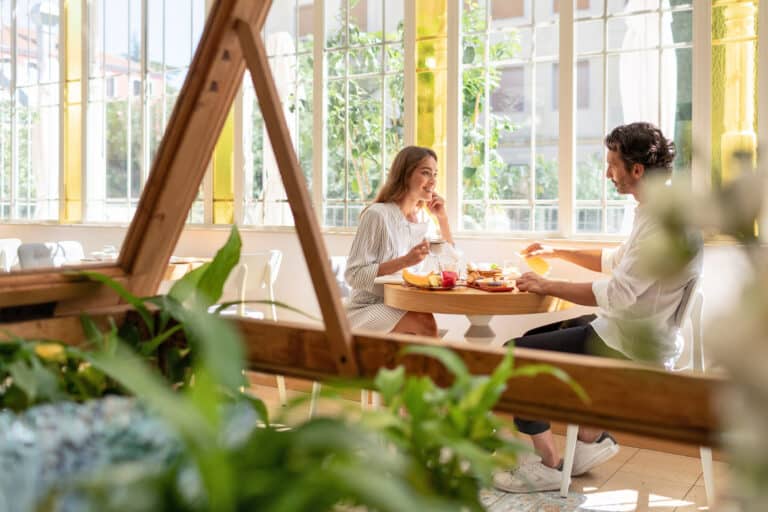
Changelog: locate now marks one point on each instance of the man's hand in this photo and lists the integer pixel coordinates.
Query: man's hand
(532, 282)
(537, 249)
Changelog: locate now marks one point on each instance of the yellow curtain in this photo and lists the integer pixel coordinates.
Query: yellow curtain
(71, 201)
(734, 87)
(431, 79)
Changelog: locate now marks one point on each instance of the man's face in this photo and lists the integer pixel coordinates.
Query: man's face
(625, 179)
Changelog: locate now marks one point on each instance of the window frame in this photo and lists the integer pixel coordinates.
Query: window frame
(701, 47)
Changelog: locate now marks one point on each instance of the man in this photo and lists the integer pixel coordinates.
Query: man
(629, 301)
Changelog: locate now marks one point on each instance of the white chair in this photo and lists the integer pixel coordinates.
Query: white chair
(40, 255)
(9, 248)
(49, 254)
(254, 272)
(338, 268)
(72, 250)
(690, 308)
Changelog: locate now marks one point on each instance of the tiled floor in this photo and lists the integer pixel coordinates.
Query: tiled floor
(634, 480)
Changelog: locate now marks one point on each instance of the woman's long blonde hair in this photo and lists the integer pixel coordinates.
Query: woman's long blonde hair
(406, 161)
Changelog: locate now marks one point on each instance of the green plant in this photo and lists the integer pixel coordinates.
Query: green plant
(451, 433)
(33, 372)
(37, 372)
(431, 448)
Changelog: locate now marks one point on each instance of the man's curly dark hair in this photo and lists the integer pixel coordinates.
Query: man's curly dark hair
(642, 143)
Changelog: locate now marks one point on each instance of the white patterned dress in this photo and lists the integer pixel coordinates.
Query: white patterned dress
(383, 234)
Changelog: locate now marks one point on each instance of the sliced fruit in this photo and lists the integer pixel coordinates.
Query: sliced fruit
(449, 278)
(421, 280)
(434, 280)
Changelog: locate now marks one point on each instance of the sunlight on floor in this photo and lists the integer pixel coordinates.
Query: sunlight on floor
(629, 500)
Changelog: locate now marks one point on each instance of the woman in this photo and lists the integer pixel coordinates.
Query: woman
(391, 237)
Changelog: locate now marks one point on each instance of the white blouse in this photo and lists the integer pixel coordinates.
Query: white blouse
(383, 235)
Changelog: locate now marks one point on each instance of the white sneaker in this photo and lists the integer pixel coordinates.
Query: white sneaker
(529, 477)
(590, 455)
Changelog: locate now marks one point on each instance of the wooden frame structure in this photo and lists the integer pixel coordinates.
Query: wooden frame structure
(624, 396)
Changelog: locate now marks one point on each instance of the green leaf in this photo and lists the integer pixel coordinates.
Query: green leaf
(151, 346)
(448, 357)
(260, 407)
(92, 333)
(218, 344)
(224, 305)
(211, 284)
(37, 382)
(532, 370)
(416, 395)
(389, 382)
(185, 287)
(124, 294)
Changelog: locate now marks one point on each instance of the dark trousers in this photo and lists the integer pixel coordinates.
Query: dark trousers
(574, 336)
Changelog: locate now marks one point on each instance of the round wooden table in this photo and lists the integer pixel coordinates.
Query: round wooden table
(479, 306)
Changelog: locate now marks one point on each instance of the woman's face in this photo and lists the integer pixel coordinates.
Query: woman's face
(423, 180)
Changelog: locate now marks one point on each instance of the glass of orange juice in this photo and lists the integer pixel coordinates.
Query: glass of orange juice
(538, 264)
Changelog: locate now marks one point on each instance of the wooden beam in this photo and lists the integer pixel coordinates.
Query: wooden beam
(198, 116)
(307, 228)
(624, 396)
(50, 285)
(66, 329)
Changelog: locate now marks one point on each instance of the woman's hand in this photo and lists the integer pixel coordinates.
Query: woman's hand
(531, 282)
(417, 254)
(537, 249)
(437, 205)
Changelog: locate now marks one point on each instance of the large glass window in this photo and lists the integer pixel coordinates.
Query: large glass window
(134, 79)
(30, 99)
(343, 89)
(365, 93)
(509, 175)
(639, 69)
(289, 42)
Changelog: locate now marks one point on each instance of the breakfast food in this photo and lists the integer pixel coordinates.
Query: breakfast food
(493, 284)
(445, 279)
(479, 270)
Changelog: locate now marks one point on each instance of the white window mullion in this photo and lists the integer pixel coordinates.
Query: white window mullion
(701, 114)
(487, 108)
(238, 159)
(566, 101)
(129, 123)
(144, 96)
(604, 188)
(409, 68)
(62, 113)
(532, 145)
(452, 166)
(384, 80)
(13, 189)
(345, 89)
(319, 111)
(85, 73)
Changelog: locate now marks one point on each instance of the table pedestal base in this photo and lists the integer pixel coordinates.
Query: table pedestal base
(479, 330)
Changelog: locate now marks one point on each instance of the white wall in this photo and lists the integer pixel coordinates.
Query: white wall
(725, 268)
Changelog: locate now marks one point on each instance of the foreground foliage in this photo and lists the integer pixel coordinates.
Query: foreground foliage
(429, 448)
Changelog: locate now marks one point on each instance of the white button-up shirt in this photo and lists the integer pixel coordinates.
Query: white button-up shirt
(637, 311)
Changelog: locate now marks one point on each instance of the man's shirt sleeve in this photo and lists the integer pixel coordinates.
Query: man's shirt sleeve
(628, 280)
